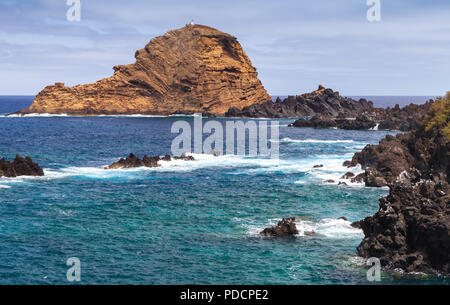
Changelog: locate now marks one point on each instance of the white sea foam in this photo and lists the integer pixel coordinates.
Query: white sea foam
(43, 115)
(328, 228)
(332, 168)
(289, 140)
(4, 186)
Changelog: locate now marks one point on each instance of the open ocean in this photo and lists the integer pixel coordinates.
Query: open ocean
(194, 223)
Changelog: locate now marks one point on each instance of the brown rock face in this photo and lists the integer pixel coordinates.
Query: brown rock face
(192, 69)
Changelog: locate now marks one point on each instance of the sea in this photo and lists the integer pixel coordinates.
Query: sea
(186, 222)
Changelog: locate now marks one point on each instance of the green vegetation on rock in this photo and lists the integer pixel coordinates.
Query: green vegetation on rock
(439, 115)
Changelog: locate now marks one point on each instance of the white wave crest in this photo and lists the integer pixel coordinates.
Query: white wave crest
(289, 140)
(328, 228)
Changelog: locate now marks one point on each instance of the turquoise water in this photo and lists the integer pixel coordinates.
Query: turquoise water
(193, 223)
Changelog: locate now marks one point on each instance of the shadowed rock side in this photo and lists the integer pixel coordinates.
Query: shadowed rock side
(403, 119)
(411, 230)
(322, 101)
(188, 70)
(20, 167)
(132, 161)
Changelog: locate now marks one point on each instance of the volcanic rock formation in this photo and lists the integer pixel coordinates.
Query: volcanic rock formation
(403, 119)
(411, 229)
(132, 161)
(285, 227)
(20, 167)
(325, 102)
(189, 70)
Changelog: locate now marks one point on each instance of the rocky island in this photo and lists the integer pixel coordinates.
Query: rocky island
(195, 69)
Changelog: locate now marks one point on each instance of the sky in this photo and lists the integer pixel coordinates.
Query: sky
(295, 45)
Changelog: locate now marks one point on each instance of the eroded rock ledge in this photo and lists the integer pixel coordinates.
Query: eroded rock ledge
(20, 167)
(132, 161)
(195, 69)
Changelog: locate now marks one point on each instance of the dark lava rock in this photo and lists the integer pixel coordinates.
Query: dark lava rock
(20, 167)
(184, 158)
(132, 161)
(322, 101)
(374, 178)
(403, 119)
(342, 183)
(318, 166)
(359, 178)
(285, 227)
(411, 229)
(348, 164)
(348, 175)
(362, 122)
(166, 158)
(342, 218)
(356, 224)
(329, 181)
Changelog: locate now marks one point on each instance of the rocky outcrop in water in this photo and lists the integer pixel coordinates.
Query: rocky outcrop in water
(20, 167)
(132, 161)
(411, 229)
(285, 227)
(325, 102)
(195, 69)
(403, 119)
(362, 122)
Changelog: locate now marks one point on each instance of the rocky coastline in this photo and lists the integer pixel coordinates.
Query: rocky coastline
(411, 230)
(396, 118)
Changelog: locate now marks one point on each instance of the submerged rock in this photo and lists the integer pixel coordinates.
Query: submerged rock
(20, 167)
(329, 181)
(285, 227)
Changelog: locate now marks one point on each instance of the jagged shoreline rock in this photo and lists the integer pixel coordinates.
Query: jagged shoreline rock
(401, 119)
(132, 161)
(195, 69)
(20, 167)
(411, 230)
(322, 101)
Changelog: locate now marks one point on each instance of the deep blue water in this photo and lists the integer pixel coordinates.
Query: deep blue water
(195, 223)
